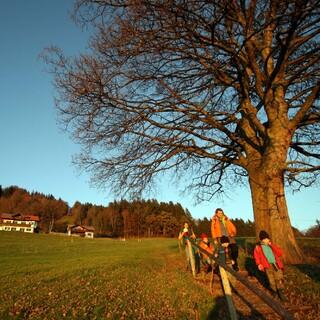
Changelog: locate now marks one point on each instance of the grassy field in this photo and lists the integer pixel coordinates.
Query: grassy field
(56, 277)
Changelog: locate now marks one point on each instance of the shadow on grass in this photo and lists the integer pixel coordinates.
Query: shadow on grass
(253, 271)
(313, 271)
(220, 311)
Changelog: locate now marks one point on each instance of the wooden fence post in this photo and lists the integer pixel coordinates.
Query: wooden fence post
(227, 293)
(192, 260)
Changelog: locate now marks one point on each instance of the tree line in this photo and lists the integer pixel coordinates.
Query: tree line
(139, 218)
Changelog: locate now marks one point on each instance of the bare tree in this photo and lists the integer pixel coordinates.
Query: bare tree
(216, 91)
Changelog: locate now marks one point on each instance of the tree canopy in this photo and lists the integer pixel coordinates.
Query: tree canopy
(212, 91)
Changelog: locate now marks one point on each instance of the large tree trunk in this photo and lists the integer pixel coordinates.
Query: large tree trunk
(266, 170)
(271, 213)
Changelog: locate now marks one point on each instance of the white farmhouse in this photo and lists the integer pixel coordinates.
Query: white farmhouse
(18, 222)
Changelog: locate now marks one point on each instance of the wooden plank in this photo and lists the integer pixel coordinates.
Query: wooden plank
(191, 257)
(228, 293)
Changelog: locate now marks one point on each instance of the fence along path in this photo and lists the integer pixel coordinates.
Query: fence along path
(243, 289)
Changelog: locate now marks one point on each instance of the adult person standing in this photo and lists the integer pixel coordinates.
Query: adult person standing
(186, 232)
(221, 226)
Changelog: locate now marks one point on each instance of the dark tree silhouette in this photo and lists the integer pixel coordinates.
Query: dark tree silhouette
(314, 231)
(213, 91)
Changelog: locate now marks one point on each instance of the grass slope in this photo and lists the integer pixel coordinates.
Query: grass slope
(57, 277)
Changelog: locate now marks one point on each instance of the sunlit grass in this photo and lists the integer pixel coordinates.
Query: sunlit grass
(55, 277)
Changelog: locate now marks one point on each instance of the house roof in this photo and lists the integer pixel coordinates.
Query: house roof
(6, 216)
(89, 228)
(18, 216)
(80, 228)
(32, 218)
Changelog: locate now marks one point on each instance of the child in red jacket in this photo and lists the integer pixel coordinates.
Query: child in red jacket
(267, 257)
(206, 245)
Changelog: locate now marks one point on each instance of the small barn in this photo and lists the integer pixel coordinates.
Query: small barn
(80, 230)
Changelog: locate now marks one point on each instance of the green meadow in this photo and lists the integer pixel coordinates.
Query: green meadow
(58, 277)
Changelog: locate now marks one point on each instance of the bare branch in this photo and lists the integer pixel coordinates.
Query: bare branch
(205, 88)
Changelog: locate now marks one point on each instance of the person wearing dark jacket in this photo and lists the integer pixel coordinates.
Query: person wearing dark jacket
(267, 257)
(223, 252)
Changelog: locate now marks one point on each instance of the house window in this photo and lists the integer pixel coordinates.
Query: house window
(89, 234)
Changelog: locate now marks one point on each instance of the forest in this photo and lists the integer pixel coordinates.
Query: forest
(122, 218)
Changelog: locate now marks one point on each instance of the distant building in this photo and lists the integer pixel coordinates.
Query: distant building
(18, 222)
(79, 230)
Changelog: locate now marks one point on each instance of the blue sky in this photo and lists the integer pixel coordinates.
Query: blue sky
(36, 154)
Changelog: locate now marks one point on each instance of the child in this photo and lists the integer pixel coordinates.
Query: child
(224, 253)
(267, 257)
(206, 245)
